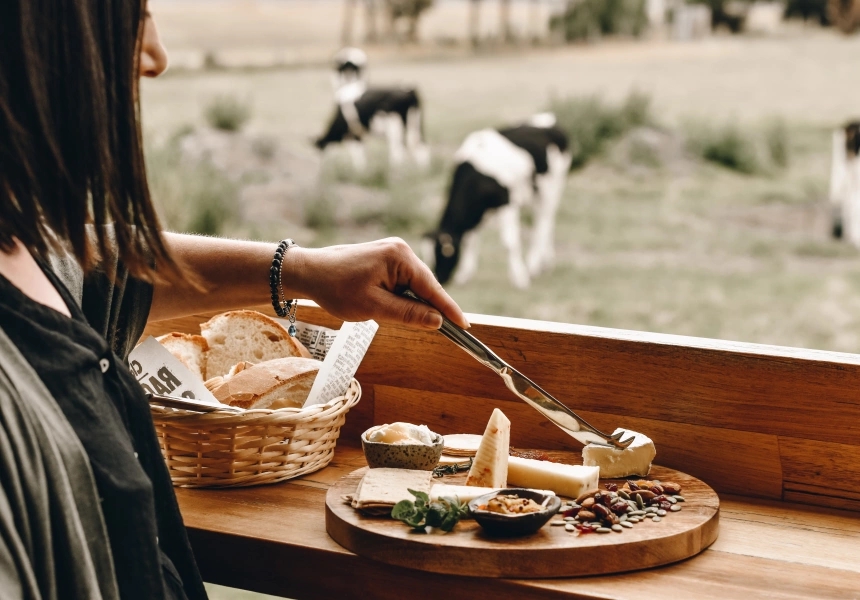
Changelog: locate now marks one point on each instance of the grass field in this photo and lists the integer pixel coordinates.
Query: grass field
(654, 239)
(686, 247)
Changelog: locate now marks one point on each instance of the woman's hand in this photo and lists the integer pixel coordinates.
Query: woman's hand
(357, 282)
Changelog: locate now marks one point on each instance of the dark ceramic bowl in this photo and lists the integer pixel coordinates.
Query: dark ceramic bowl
(402, 456)
(500, 525)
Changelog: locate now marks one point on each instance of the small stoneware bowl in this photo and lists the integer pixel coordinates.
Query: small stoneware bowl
(402, 456)
(501, 525)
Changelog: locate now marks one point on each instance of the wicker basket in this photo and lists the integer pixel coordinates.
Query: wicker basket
(222, 449)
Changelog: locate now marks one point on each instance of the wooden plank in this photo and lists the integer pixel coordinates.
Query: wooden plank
(826, 468)
(721, 387)
(754, 468)
(729, 385)
(272, 539)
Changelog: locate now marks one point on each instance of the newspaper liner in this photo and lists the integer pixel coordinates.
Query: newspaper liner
(341, 352)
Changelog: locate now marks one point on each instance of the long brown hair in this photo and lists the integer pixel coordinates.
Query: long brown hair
(70, 138)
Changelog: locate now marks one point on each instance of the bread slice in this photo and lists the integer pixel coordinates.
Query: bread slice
(246, 335)
(278, 383)
(190, 349)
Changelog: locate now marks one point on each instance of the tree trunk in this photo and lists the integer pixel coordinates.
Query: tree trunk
(534, 20)
(475, 21)
(371, 35)
(505, 32)
(348, 22)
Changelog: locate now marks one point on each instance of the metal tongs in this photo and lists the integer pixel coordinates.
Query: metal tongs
(571, 423)
(189, 404)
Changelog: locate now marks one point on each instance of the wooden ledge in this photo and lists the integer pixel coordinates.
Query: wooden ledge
(272, 539)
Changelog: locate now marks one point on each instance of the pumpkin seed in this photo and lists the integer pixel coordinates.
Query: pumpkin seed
(661, 513)
(637, 513)
(557, 523)
(624, 494)
(569, 519)
(675, 508)
(617, 528)
(679, 498)
(627, 524)
(633, 520)
(656, 519)
(569, 527)
(623, 518)
(651, 509)
(603, 530)
(640, 502)
(671, 499)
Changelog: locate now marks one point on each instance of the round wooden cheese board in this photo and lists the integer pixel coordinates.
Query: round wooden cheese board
(551, 552)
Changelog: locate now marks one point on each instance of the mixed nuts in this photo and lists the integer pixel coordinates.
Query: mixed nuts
(620, 506)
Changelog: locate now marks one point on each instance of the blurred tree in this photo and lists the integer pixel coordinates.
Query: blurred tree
(505, 31)
(844, 14)
(475, 22)
(808, 10)
(408, 10)
(348, 22)
(591, 19)
(371, 35)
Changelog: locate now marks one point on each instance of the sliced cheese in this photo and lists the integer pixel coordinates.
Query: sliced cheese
(564, 480)
(490, 467)
(467, 493)
(613, 462)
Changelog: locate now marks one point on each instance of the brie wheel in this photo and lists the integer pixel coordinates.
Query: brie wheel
(614, 462)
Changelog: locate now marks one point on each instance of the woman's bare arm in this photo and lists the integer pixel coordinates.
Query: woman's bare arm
(354, 282)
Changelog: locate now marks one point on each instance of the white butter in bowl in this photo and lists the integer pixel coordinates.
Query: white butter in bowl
(401, 433)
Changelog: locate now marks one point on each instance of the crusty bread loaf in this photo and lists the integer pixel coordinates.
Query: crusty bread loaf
(246, 335)
(189, 349)
(278, 383)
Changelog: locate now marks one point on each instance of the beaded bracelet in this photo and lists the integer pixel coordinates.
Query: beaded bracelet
(283, 308)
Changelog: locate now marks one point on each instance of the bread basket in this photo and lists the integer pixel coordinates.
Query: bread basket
(255, 447)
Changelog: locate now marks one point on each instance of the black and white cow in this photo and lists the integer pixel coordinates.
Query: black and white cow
(501, 171)
(349, 64)
(845, 183)
(393, 113)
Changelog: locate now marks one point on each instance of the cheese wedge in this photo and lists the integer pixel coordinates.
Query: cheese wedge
(564, 480)
(490, 467)
(467, 493)
(613, 462)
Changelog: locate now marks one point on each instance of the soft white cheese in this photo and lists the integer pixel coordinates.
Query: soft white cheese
(564, 480)
(613, 462)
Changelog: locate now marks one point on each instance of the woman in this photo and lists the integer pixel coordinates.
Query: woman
(87, 509)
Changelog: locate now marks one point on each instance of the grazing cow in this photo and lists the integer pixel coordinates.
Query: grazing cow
(502, 171)
(389, 112)
(349, 66)
(845, 183)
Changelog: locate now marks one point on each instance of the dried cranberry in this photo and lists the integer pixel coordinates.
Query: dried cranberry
(602, 498)
(586, 529)
(571, 512)
(620, 507)
(601, 511)
(665, 505)
(612, 487)
(660, 498)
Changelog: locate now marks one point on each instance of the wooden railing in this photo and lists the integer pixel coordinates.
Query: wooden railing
(750, 420)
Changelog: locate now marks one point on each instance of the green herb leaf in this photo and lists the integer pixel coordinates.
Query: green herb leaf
(403, 510)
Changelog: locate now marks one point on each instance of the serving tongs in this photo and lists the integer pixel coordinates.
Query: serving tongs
(189, 404)
(533, 395)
